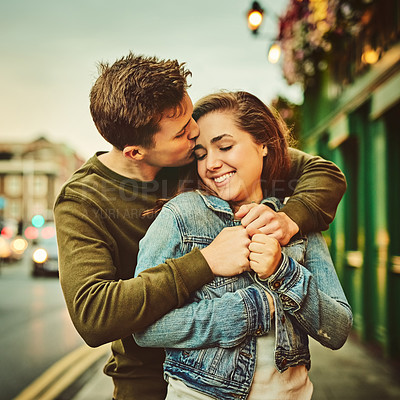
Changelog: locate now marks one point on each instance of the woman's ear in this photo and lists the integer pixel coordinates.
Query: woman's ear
(133, 152)
(265, 150)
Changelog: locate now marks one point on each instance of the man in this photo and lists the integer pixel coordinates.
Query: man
(140, 105)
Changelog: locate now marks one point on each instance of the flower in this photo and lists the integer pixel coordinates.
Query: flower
(311, 30)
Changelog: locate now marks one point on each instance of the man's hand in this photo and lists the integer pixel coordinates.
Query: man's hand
(259, 218)
(228, 253)
(265, 255)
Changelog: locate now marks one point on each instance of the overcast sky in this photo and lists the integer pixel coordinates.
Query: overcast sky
(49, 52)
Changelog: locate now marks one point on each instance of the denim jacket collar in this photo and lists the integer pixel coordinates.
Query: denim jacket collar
(219, 205)
(215, 203)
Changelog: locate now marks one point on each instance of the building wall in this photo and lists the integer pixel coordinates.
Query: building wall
(31, 174)
(360, 131)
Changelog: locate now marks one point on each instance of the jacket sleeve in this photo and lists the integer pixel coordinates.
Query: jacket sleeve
(315, 187)
(102, 307)
(198, 324)
(313, 295)
(224, 322)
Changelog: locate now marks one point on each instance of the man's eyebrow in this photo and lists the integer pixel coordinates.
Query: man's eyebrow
(220, 137)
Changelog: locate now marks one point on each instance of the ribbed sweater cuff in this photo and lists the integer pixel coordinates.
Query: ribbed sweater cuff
(301, 214)
(194, 270)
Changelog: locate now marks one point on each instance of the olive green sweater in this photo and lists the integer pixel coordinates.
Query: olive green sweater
(99, 225)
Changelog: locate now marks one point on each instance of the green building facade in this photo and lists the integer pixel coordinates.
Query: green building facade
(351, 115)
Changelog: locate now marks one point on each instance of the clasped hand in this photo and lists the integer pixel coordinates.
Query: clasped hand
(255, 244)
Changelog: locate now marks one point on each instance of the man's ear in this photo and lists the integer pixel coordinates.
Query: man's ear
(133, 152)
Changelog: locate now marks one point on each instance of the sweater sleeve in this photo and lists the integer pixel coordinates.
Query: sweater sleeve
(102, 307)
(315, 187)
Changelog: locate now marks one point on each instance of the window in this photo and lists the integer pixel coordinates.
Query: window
(14, 209)
(40, 186)
(13, 185)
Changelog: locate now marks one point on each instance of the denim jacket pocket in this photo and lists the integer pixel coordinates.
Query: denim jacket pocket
(226, 282)
(215, 363)
(190, 242)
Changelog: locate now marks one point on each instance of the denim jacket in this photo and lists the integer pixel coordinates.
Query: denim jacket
(211, 342)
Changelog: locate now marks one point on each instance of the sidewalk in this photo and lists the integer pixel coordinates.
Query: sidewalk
(351, 373)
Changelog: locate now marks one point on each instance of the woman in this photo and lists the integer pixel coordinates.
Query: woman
(240, 152)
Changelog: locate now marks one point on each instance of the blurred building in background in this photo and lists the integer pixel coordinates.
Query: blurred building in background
(31, 174)
(346, 55)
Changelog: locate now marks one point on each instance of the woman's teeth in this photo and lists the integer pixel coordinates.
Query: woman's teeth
(223, 177)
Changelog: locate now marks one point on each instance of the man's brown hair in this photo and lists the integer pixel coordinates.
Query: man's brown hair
(130, 97)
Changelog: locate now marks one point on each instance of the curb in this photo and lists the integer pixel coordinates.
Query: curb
(63, 373)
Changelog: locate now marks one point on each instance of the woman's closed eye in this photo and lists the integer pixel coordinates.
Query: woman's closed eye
(200, 155)
(225, 148)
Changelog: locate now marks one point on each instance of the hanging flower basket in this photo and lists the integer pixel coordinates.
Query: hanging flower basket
(314, 33)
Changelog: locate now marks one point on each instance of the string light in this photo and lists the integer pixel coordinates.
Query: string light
(274, 53)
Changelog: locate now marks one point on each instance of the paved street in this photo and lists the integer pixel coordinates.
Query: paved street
(36, 335)
(351, 373)
(35, 329)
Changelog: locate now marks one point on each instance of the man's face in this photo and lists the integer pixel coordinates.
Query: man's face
(174, 142)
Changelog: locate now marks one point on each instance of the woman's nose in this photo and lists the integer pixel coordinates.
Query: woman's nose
(213, 163)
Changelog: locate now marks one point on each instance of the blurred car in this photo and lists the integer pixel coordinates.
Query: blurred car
(12, 245)
(44, 252)
(5, 249)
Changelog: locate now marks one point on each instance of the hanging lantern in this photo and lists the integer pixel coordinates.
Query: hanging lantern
(255, 17)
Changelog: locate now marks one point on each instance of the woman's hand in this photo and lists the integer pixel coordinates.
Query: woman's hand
(265, 255)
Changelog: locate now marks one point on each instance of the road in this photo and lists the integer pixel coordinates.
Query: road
(35, 332)
(35, 329)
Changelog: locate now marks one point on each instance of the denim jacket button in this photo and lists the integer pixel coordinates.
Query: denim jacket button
(284, 362)
(277, 284)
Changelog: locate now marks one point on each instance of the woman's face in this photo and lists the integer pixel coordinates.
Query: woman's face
(228, 160)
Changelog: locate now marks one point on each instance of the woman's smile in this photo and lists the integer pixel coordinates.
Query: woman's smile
(223, 179)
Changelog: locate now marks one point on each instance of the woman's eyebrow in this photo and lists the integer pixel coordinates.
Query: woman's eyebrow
(220, 137)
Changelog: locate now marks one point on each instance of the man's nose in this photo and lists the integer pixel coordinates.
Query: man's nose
(194, 130)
